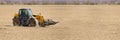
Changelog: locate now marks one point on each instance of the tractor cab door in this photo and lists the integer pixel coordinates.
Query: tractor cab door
(23, 16)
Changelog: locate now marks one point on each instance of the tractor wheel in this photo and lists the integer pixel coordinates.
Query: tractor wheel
(32, 22)
(15, 21)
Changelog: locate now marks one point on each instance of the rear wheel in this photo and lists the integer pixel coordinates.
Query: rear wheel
(15, 21)
(32, 22)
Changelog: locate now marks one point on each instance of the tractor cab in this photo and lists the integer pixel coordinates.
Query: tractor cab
(24, 16)
(25, 12)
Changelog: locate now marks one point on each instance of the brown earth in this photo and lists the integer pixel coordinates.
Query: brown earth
(76, 22)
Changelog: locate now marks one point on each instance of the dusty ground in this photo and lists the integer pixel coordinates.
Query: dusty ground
(77, 22)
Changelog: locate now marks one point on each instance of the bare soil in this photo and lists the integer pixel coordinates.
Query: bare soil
(76, 22)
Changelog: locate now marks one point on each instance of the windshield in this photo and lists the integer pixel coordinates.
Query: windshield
(25, 12)
(30, 12)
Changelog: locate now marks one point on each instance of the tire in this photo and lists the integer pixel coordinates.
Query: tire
(32, 22)
(15, 21)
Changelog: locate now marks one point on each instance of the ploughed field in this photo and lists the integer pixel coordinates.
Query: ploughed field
(76, 22)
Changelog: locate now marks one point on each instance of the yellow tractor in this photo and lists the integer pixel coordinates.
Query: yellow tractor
(25, 17)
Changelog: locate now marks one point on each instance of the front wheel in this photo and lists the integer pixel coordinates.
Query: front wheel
(32, 22)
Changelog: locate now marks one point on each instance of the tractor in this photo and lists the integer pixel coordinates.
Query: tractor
(25, 17)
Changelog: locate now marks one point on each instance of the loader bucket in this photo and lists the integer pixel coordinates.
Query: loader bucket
(50, 22)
